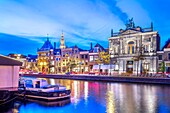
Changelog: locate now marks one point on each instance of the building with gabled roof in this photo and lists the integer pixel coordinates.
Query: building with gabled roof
(46, 59)
(94, 54)
(46, 46)
(164, 57)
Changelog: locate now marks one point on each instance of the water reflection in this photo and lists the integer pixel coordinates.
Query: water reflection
(96, 97)
(86, 92)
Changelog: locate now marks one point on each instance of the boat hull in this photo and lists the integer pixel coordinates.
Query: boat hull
(46, 96)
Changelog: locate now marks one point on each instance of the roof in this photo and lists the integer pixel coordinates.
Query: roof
(57, 51)
(46, 46)
(98, 45)
(101, 48)
(74, 47)
(32, 58)
(7, 61)
(167, 44)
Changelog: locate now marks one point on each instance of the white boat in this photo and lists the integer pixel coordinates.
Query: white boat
(41, 90)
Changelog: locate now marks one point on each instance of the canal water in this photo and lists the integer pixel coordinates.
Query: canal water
(101, 97)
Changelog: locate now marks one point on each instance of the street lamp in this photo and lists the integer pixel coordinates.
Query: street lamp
(151, 56)
(111, 56)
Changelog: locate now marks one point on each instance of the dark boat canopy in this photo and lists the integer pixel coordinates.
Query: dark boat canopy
(6, 61)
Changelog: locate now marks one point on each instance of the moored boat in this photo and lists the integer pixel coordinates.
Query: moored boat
(38, 89)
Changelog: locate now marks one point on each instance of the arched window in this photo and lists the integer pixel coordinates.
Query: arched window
(131, 47)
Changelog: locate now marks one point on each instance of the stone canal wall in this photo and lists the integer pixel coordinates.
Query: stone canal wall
(146, 80)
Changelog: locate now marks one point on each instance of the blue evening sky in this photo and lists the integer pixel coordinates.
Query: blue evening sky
(24, 24)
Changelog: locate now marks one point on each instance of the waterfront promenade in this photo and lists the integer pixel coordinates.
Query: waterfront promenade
(102, 78)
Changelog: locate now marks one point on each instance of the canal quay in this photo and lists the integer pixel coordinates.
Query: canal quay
(102, 97)
(107, 78)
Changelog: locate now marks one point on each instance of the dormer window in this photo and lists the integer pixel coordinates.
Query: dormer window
(96, 50)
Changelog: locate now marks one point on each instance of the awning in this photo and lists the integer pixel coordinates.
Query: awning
(95, 66)
(103, 66)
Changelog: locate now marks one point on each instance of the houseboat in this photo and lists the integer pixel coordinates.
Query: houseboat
(39, 89)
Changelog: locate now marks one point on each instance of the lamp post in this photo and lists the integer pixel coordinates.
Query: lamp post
(111, 63)
(151, 56)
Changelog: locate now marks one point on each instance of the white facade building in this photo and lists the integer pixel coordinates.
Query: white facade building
(133, 50)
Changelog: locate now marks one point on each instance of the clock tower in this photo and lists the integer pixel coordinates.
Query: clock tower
(62, 44)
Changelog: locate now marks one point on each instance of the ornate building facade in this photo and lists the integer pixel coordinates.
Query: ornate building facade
(133, 50)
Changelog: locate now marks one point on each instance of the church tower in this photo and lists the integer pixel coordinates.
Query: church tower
(62, 44)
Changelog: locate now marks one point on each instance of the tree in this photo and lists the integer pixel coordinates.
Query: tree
(70, 65)
(104, 57)
(163, 67)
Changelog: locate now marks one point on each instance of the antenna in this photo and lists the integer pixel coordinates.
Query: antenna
(47, 36)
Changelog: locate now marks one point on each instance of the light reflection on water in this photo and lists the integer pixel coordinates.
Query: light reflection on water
(100, 97)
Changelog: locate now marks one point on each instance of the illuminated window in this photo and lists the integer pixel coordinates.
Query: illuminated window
(131, 49)
(91, 58)
(52, 62)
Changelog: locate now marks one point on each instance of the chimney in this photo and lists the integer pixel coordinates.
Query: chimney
(54, 45)
(151, 26)
(111, 32)
(91, 45)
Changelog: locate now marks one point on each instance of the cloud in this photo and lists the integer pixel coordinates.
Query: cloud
(16, 44)
(133, 9)
(82, 21)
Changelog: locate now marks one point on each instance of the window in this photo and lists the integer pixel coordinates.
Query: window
(52, 62)
(91, 58)
(131, 49)
(160, 57)
(146, 48)
(82, 56)
(128, 50)
(96, 50)
(169, 56)
(149, 39)
(58, 53)
(86, 56)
